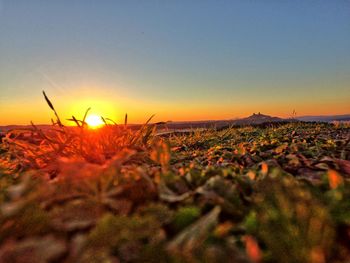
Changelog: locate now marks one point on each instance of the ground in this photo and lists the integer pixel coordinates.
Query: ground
(276, 193)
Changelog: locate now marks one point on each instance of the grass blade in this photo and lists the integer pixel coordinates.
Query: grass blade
(48, 101)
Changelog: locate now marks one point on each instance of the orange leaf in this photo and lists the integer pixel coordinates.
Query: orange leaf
(252, 249)
(251, 175)
(334, 179)
(317, 255)
(264, 168)
(223, 229)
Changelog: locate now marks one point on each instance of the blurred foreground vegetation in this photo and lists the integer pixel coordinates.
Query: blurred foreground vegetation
(275, 194)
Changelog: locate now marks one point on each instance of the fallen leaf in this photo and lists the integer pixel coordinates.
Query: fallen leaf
(335, 179)
(252, 249)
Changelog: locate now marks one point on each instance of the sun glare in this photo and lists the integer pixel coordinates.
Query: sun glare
(94, 121)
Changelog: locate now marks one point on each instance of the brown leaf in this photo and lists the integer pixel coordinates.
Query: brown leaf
(40, 250)
(344, 165)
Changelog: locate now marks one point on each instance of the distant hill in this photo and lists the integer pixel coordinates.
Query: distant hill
(325, 118)
(254, 119)
(258, 119)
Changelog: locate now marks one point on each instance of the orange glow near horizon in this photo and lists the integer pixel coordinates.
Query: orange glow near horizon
(138, 110)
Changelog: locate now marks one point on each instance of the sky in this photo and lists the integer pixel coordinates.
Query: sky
(179, 59)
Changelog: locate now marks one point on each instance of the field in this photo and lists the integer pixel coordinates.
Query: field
(277, 193)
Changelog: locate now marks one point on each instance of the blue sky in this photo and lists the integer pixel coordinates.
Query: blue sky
(178, 59)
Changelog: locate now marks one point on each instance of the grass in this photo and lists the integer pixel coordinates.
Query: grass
(278, 194)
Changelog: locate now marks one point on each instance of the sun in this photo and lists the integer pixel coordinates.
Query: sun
(94, 121)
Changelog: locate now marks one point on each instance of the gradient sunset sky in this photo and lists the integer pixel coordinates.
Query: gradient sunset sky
(182, 60)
